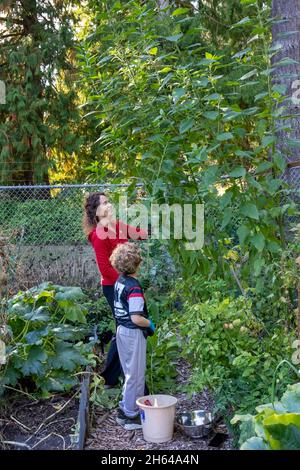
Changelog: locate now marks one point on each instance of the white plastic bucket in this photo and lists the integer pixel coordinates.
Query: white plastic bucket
(158, 419)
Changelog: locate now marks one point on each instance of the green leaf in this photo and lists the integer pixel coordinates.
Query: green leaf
(250, 111)
(253, 182)
(264, 166)
(180, 11)
(238, 172)
(243, 232)
(44, 295)
(201, 83)
(226, 218)
(19, 309)
(267, 141)
(66, 357)
(274, 247)
(72, 311)
(249, 75)
(281, 89)
(250, 210)
(241, 419)
(153, 51)
(11, 376)
(178, 93)
(199, 157)
(224, 136)
(255, 443)
(260, 96)
(258, 265)
(165, 70)
(273, 186)
(212, 115)
(213, 97)
(243, 153)
(258, 241)
(291, 398)
(283, 431)
(225, 199)
(174, 38)
(70, 332)
(58, 382)
(40, 314)
(186, 125)
(245, 20)
(159, 138)
(293, 143)
(279, 161)
(33, 364)
(70, 293)
(35, 337)
(210, 175)
(285, 62)
(241, 54)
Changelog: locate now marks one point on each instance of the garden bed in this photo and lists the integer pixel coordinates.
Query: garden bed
(39, 424)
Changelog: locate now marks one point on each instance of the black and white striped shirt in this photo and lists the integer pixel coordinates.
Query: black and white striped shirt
(128, 300)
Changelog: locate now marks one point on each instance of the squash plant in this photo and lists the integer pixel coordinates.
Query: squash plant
(47, 326)
(276, 426)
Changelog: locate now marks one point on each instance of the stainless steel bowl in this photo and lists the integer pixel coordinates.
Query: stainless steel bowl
(195, 424)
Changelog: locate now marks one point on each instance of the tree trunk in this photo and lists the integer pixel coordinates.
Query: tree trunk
(289, 75)
(287, 34)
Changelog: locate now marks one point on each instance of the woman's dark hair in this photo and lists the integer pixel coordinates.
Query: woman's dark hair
(91, 203)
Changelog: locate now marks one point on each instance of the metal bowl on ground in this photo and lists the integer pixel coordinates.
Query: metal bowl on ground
(196, 424)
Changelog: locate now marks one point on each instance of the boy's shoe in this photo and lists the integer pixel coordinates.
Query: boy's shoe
(128, 423)
(121, 417)
(132, 423)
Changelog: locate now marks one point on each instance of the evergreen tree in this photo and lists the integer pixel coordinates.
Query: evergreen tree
(36, 64)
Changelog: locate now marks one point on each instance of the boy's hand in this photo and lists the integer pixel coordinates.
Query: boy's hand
(149, 330)
(151, 326)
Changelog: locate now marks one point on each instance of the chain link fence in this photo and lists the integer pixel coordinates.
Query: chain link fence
(52, 215)
(43, 215)
(41, 227)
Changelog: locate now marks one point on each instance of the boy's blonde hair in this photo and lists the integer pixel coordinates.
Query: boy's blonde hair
(126, 258)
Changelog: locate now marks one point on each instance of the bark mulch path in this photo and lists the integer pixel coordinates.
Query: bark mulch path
(107, 434)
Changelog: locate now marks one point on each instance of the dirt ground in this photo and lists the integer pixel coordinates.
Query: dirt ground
(27, 424)
(107, 434)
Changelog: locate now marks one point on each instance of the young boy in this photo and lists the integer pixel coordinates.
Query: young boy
(133, 326)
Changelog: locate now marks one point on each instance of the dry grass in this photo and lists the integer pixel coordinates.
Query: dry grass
(12, 275)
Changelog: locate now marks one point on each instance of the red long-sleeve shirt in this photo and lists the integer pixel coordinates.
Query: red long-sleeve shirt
(104, 246)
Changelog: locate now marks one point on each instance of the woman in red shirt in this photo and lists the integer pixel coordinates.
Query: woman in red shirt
(105, 234)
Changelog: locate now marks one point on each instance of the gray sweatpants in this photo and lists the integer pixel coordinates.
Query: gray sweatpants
(131, 345)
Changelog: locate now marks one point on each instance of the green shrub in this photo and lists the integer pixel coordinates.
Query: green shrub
(162, 356)
(231, 351)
